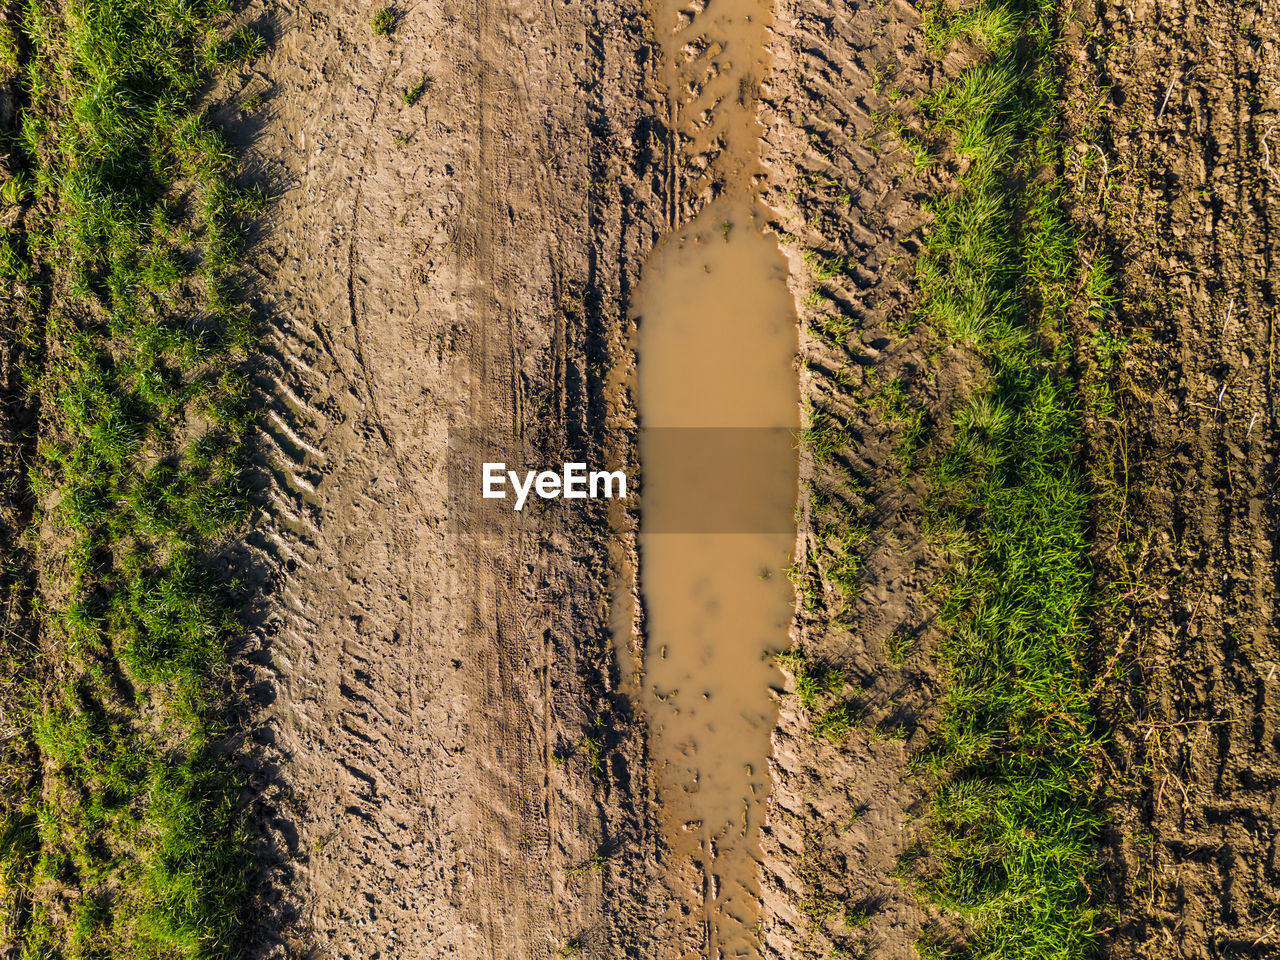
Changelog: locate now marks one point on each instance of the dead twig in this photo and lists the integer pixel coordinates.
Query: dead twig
(1106, 171)
(1187, 626)
(1221, 393)
(1265, 141)
(1102, 677)
(1150, 725)
(1176, 76)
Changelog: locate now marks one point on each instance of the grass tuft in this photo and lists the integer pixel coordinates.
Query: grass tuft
(413, 94)
(813, 680)
(384, 22)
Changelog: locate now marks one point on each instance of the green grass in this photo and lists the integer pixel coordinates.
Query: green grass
(993, 27)
(384, 21)
(813, 680)
(819, 688)
(895, 405)
(592, 746)
(121, 830)
(856, 918)
(1013, 827)
(413, 94)
(840, 523)
(898, 647)
(835, 723)
(9, 55)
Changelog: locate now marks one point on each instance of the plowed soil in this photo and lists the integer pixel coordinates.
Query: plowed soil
(1188, 112)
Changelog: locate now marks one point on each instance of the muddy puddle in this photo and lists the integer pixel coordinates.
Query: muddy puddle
(718, 401)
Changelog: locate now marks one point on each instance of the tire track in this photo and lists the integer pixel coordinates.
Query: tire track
(841, 190)
(429, 675)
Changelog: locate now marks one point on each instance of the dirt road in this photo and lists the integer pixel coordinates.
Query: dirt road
(442, 275)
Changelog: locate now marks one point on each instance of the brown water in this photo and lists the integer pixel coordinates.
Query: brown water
(716, 370)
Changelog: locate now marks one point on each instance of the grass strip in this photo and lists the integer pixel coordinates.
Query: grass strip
(122, 831)
(1012, 848)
